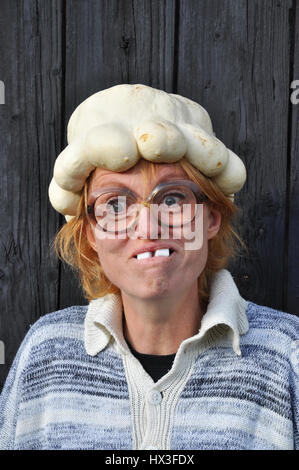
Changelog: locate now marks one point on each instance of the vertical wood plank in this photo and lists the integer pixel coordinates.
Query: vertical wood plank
(111, 42)
(30, 122)
(292, 253)
(234, 59)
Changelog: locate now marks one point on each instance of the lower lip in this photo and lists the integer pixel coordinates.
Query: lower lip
(154, 260)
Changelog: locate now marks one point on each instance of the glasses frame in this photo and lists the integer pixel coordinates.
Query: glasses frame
(199, 195)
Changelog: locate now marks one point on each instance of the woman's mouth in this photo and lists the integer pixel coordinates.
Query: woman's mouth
(162, 252)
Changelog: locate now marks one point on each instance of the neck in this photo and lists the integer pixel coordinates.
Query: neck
(159, 325)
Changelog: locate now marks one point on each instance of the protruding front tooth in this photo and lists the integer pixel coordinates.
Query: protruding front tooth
(145, 254)
(162, 252)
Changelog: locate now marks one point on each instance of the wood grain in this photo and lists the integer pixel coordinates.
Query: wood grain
(291, 278)
(30, 66)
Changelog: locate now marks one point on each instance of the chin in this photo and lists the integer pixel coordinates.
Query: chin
(153, 288)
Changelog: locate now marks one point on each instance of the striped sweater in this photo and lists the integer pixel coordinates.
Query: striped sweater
(74, 383)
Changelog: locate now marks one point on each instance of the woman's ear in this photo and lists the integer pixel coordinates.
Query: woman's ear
(90, 236)
(214, 223)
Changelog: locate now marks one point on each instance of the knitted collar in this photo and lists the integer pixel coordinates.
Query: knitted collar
(225, 312)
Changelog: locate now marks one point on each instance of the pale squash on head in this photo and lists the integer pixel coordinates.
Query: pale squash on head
(114, 128)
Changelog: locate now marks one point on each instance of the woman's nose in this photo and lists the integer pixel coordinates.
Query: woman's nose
(147, 225)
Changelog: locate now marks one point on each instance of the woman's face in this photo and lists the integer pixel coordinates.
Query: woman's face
(156, 276)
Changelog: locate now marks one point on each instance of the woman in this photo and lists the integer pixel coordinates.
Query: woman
(167, 354)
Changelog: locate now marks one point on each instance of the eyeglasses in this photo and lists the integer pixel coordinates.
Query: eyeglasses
(173, 203)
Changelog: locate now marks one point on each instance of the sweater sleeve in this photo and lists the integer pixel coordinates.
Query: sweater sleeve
(11, 396)
(294, 384)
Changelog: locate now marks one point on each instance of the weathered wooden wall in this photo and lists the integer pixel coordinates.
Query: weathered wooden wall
(236, 57)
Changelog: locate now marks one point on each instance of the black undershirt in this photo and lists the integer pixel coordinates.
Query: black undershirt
(156, 366)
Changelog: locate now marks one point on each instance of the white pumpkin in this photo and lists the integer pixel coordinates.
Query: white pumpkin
(114, 128)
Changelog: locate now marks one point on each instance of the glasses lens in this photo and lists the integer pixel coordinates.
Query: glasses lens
(176, 205)
(117, 210)
(114, 212)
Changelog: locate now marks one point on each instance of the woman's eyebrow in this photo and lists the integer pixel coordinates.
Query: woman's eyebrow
(116, 183)
(111, 183)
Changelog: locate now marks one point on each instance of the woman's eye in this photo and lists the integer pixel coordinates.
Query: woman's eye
(173, 198)
(116, 206)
